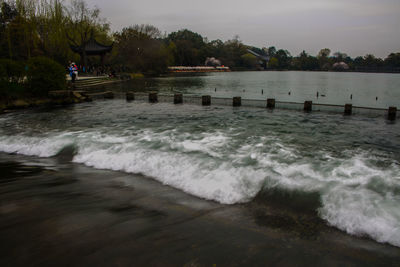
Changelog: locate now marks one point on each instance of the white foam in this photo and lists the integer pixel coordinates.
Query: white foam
(203, 178)
(357, 196)
(208, 143)
(361, 212)
(34, 146)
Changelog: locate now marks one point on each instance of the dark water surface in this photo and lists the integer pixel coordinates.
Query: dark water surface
(54, 212)
(374, 90)
(111, 182)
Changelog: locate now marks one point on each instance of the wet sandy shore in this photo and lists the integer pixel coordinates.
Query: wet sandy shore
(53, 212)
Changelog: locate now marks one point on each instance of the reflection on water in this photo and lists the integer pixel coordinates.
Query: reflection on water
(11, 171)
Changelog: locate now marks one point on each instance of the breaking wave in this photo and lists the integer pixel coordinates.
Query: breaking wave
(357, 194)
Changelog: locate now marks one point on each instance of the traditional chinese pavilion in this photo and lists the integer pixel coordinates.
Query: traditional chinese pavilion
(92, 48)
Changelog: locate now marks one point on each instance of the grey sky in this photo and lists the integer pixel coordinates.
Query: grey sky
(356, 27)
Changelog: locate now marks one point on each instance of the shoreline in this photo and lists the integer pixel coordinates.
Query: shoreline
(55, 98)
(285, 70)
(57, 212)
(73, 94)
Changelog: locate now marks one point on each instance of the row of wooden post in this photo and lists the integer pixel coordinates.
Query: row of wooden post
(237, 102)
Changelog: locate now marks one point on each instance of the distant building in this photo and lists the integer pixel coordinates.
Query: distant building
(198, 69)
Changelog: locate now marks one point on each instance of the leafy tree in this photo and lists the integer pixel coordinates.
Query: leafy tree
(189, 46)
(8, 13)
(232, 53)
(143, 31)
(324, 53)
(18, 29)
(271, 51)
(339, 56)
(249, 61)
(195, 39)
(51, 22)
(306, 62)
(372, 63)
(273, 63)
(136, 48)
(323, 59)
(392, 61)
(214, 49)
(171, 50)
(358, 62)
(34, 27)
(284, 59)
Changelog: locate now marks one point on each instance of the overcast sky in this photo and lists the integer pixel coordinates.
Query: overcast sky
(355, 27)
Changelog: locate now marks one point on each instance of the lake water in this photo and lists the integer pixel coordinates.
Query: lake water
(344, 170)
(376, 90)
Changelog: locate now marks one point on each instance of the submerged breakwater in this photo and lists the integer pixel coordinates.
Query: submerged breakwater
(372, 90)
(345, 169)
(270, 103)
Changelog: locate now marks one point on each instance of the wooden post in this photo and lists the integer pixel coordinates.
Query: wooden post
(206, 100)
(392, 113)
(271, 103)
(237, 101)
(130, 96)
(178, 99)
(153, 98)
(348, 109)
(308, 106)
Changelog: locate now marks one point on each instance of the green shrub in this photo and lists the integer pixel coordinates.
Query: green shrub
(12, 74)
(3, 72)
(45, 75)
(3, 80)
(13, 70)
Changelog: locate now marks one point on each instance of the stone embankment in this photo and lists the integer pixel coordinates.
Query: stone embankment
(54, 98)
(88, 82)
(65, 97)
(77, 93)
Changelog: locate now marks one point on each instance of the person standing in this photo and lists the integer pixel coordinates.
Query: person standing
(73, 71)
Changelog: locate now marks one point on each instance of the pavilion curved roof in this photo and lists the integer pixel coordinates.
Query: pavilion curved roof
(92, 47)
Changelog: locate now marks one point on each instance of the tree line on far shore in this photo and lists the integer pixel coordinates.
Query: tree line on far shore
(47, 28)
